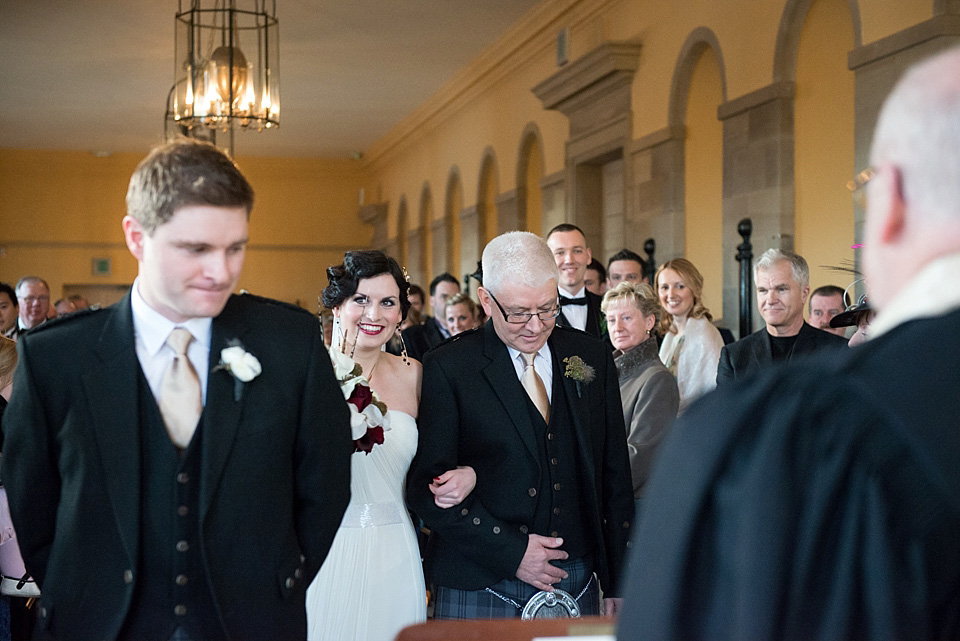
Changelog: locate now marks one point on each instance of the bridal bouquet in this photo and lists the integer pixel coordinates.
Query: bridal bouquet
(368, 414)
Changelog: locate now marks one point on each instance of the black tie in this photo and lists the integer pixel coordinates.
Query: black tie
(573, 301)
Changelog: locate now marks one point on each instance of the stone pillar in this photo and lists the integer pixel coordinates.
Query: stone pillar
(595, 93)
(508, 212)
(757, 178)
(440, 237)
(471, 241)
(655, 196)
(415, 256)
(553, 191)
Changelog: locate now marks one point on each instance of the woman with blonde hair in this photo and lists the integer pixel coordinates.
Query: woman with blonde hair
(648, 392)
(691, 344)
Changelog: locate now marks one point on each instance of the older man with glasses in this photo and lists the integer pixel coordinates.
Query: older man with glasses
(33, 294)
(535, 410)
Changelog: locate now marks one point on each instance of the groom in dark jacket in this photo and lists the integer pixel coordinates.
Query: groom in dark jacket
(176, 467)
(535, 410)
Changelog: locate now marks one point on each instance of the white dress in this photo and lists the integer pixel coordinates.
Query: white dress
(371, 584)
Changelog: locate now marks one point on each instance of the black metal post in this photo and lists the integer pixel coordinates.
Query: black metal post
(745, 258)
(650, 266)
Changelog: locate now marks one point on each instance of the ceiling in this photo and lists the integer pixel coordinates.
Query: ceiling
(93, 75)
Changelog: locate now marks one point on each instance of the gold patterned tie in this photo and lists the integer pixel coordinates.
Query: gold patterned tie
(533, 384)
(180, 400)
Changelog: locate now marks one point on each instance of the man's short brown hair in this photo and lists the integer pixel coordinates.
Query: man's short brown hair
(182, 173)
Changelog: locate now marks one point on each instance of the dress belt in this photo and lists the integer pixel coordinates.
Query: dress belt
(372, 514)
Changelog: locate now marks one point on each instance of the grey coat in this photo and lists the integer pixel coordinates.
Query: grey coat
(650, 398)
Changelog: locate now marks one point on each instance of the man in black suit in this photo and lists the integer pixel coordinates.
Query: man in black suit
(176, 466)
(553, 501)
(783, 282)
(580, 308)
(420, 339)
(820, 501)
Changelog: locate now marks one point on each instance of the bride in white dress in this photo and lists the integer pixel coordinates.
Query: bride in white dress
(371, 584)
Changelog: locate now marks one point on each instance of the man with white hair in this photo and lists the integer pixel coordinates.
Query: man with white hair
(820, 501)
(782, 279)
(535, 410)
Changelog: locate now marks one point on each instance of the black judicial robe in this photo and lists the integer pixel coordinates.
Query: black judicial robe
(818, 501)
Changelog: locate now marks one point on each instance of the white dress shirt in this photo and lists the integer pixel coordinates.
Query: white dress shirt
(151, 329)
(575, 314)
(541, 363)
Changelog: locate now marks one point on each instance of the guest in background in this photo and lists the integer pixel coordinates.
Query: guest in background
(79, 302)
(825, 303)
(420, 339)
(580, 308)
(9, 310)
(33, 295)
(623, 266)
(595, 278)
(64, 306)
(783, 281)
(417, 299)
(461, 314)
(648, 391)
(691, 344)
(859, 316)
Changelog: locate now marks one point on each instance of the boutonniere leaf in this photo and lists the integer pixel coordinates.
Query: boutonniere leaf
(239, 363)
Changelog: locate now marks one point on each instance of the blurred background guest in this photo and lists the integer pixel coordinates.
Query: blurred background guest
(858, 316)
(419, 339)
(825, 303)
(33, 296)
(416, 296)
(595, 278)
(9, 310)
(64, 306)
(625, 265)
(691, 344)
(648, 391)
(461, 313)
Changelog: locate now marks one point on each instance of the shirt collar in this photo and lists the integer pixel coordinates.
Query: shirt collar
(934, 291)
(543, 351)
(581, 294)
(153, 328)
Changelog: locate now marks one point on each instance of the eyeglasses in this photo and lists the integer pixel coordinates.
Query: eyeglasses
(522, 318)
(29, 300)
(858, 185)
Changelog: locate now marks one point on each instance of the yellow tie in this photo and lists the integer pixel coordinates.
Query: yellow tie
(533, 384)
(180, 400)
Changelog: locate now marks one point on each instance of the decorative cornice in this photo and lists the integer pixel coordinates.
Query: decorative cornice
(935, 27)
(657, 138)
(776, 91)
(610, 64)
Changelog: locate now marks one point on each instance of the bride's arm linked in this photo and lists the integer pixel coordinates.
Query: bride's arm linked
(451, 487)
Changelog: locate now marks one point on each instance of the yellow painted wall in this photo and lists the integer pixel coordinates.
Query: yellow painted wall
(534, 207)
(824, 142)
(61, 209)
(703, 179)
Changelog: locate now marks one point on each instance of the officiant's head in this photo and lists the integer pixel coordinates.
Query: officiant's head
(519, 292)
(186, 224)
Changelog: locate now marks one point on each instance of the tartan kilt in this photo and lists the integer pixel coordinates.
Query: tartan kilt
(451, 603)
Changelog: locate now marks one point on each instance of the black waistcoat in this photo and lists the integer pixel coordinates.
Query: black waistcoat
(171, 586)
(559, 510)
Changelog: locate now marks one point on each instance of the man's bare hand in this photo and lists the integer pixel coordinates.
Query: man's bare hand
(535, 567)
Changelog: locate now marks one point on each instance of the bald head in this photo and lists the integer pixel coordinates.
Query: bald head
(913, 205)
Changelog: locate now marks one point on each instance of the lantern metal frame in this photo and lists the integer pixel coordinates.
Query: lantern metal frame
(217, 86)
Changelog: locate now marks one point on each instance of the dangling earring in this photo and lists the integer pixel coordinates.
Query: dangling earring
(403, 347)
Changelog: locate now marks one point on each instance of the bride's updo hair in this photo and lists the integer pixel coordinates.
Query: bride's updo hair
(356, 266)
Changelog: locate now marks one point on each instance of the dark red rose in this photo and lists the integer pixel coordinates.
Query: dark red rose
(361, 397)
(365, 443)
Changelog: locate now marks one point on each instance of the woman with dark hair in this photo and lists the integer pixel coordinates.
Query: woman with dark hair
(691, 344)
(371, 584)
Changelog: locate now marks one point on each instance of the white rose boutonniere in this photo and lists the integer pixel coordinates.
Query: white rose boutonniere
(241, 364)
